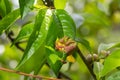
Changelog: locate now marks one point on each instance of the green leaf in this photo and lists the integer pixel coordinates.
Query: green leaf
(25, 32)
(36, 41)
(97, 67)
(103, 46)
(25, 6)
(39, 2)
(8, 20)
(92, 16)
(111, 62)
(53, 59)
(67, 23)
(61, 26)
(35, 62)
(55, 30)
(8, 6)
(5, 7)
(60, 4)
(84, 43)
(40, 5)
(114, 76)
(2, 8)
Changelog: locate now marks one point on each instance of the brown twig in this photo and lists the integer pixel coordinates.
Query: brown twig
(87, 64)
(63, 75)
(12, 39)
(20, 48)
(29, 75)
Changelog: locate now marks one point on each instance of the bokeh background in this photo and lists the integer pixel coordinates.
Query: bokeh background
(97, 21)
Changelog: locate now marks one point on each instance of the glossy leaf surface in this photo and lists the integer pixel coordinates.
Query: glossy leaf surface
(62, 25)
(67, 23)
(8, 20)
(53, 57)
(25, 6)
(5, 7)
(35, 48)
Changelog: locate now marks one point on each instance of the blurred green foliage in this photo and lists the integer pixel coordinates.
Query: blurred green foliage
(98, 21)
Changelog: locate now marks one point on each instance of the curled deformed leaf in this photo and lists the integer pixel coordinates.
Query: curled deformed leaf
(65, 44)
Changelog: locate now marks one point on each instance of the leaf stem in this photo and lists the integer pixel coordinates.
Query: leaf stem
(29, 75)
(87, 64)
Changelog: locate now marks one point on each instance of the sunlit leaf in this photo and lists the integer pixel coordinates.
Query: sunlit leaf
(55, 30)
(60, 4)
(5, 7)
(8, 20)
(40, 5)
(39, 2)
(67, 23)
(25, 32)
(62, 25)
(53, 59)
(111, 62)
(25, 7)
(35, 48)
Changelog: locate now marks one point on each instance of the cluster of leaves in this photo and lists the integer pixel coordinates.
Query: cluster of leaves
(52, 33)
(108, 57)
(42, 33)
